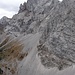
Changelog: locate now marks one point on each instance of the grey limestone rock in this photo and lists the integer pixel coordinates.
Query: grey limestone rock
(50, 23)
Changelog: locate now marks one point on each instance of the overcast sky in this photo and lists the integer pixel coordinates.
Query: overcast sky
(9, 7)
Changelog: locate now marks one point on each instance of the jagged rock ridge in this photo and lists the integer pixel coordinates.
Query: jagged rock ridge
(50, 26)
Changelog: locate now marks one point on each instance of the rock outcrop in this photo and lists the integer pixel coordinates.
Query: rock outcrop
(47, 29)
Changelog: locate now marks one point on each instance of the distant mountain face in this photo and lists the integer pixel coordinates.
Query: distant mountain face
(48, 29)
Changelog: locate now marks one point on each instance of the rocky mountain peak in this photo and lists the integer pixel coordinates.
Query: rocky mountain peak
(31, 5)
(46, 29)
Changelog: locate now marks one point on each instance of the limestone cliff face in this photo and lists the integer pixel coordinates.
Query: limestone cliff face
(30, 15)
(47, 29)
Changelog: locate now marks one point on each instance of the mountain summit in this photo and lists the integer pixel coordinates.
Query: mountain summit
(46, 30)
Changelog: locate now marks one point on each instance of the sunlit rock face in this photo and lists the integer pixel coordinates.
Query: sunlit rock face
(47, 30)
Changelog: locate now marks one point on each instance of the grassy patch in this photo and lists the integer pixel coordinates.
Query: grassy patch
(10, 50)
(10, 53)
(21, 56)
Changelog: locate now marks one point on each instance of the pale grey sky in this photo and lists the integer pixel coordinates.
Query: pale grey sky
(60, 0)
(9, 7)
